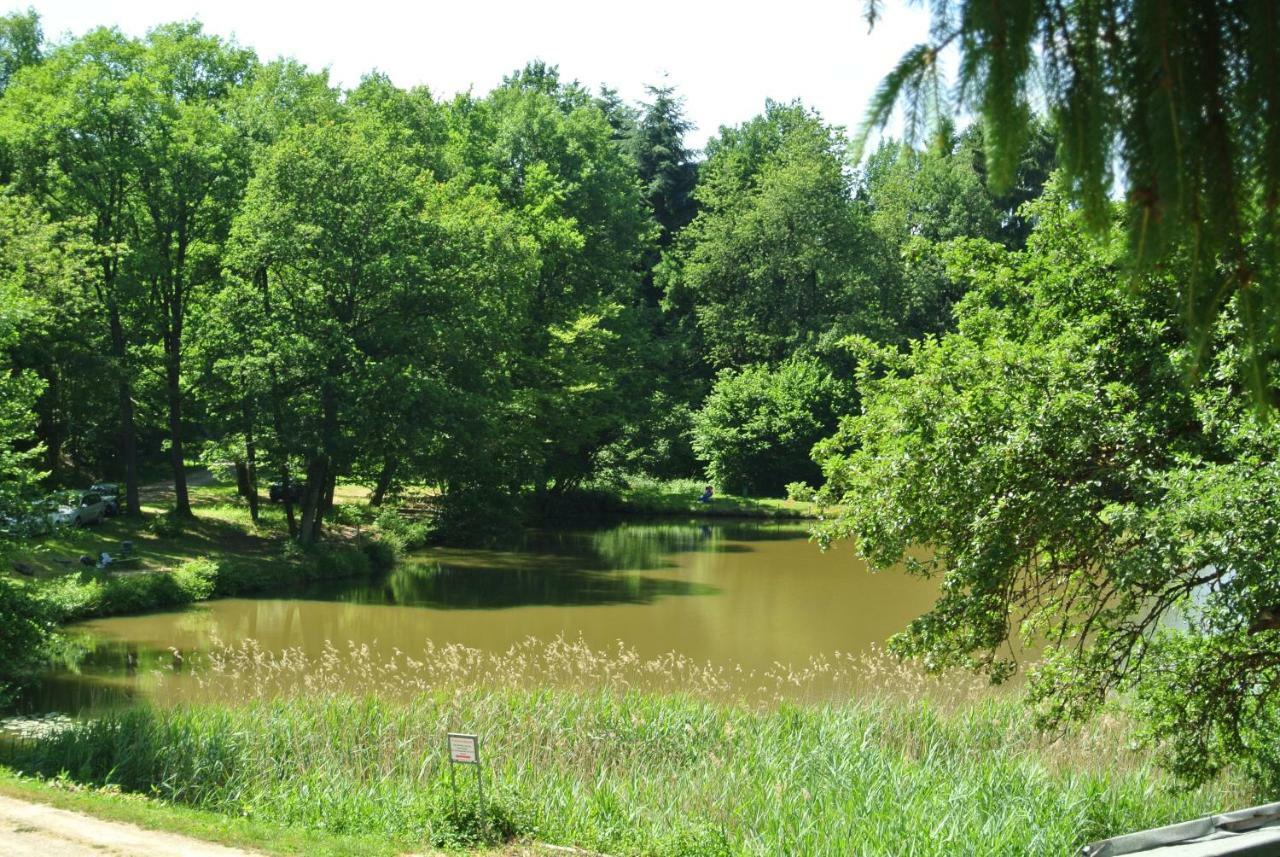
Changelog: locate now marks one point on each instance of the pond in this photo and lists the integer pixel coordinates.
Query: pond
(649, 605)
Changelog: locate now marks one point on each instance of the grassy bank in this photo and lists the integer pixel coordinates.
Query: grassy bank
(630, 773)
(93, 593)
(220, 552)
(679, 497)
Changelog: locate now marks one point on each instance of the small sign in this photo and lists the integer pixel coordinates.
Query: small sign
(464, 749)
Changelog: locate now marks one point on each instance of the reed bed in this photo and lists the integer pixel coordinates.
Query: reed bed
(576, 754)
(245, 671)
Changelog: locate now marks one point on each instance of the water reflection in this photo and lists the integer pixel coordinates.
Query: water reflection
(453, 586)
(733, 595)
(648, 546)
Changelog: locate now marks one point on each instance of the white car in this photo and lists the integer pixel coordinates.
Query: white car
(110, 494)
(78, 510)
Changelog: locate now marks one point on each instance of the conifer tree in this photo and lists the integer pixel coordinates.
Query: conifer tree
(1180, 100)
(666, 165)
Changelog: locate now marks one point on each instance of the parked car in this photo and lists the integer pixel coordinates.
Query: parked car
(110, 494)
(77, 510)
(25, 520)
(277, 489)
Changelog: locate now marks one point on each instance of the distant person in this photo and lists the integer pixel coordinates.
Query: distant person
(706, 495)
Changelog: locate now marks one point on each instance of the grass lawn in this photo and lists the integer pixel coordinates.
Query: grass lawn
(221, 526)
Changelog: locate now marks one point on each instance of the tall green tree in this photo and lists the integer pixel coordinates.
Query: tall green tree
(920, 198)
(774, 257)
(62, 338)
(552, 155)
(31, 263)
(1076, 495)
(191, 166)
(21, 44)
(375, 294)
(73, 125)
(666, 165)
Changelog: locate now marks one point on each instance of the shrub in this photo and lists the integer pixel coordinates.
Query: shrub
(241, 576)
(381, 554)
(96, 593)
(403, 534)
(330, 563)
(137, 593)
(72, 597)
(24, 630)
(801, 492)
(167, 525)
(756, 429)
(197, 578)
(352, 514)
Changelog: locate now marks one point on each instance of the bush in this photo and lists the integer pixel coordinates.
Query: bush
(197, 578)
(756, 429)
(242, 576)
(24, 631)
(138, 593)
(381, 554)
(352, 514)
(401, 533)
(476, 514)
(332, 563)
(167, 525)
(801, 492)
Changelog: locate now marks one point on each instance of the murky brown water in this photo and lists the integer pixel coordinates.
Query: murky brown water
(748, 597)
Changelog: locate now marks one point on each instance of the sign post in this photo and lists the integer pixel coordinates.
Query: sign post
(465, 750)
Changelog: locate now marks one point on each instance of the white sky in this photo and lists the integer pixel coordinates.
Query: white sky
(725, 57)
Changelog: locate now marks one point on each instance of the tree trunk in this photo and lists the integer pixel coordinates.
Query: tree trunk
(288, 501)
(384, 481)
(173, 374)
(331, 484)
(313, 499)
(128, 433)
(242, 479)
(251, 467)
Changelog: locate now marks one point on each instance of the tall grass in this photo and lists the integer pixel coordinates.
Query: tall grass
(629, 772)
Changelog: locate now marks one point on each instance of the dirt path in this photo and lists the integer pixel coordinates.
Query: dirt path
(36, 830)
(161, 493)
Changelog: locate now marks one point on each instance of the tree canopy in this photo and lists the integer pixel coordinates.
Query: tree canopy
(1077, 497)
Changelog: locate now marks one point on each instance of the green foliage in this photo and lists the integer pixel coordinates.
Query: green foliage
(403, 533)
(21, 41)
(30, 257)
(1059, 470)
(921, 198)
(774, 256)
(381, 553)
(167, 525)
(25, 625)
(197, 578)
(1187, 95)
(756, 429)
(666, 166)
(801, 492)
